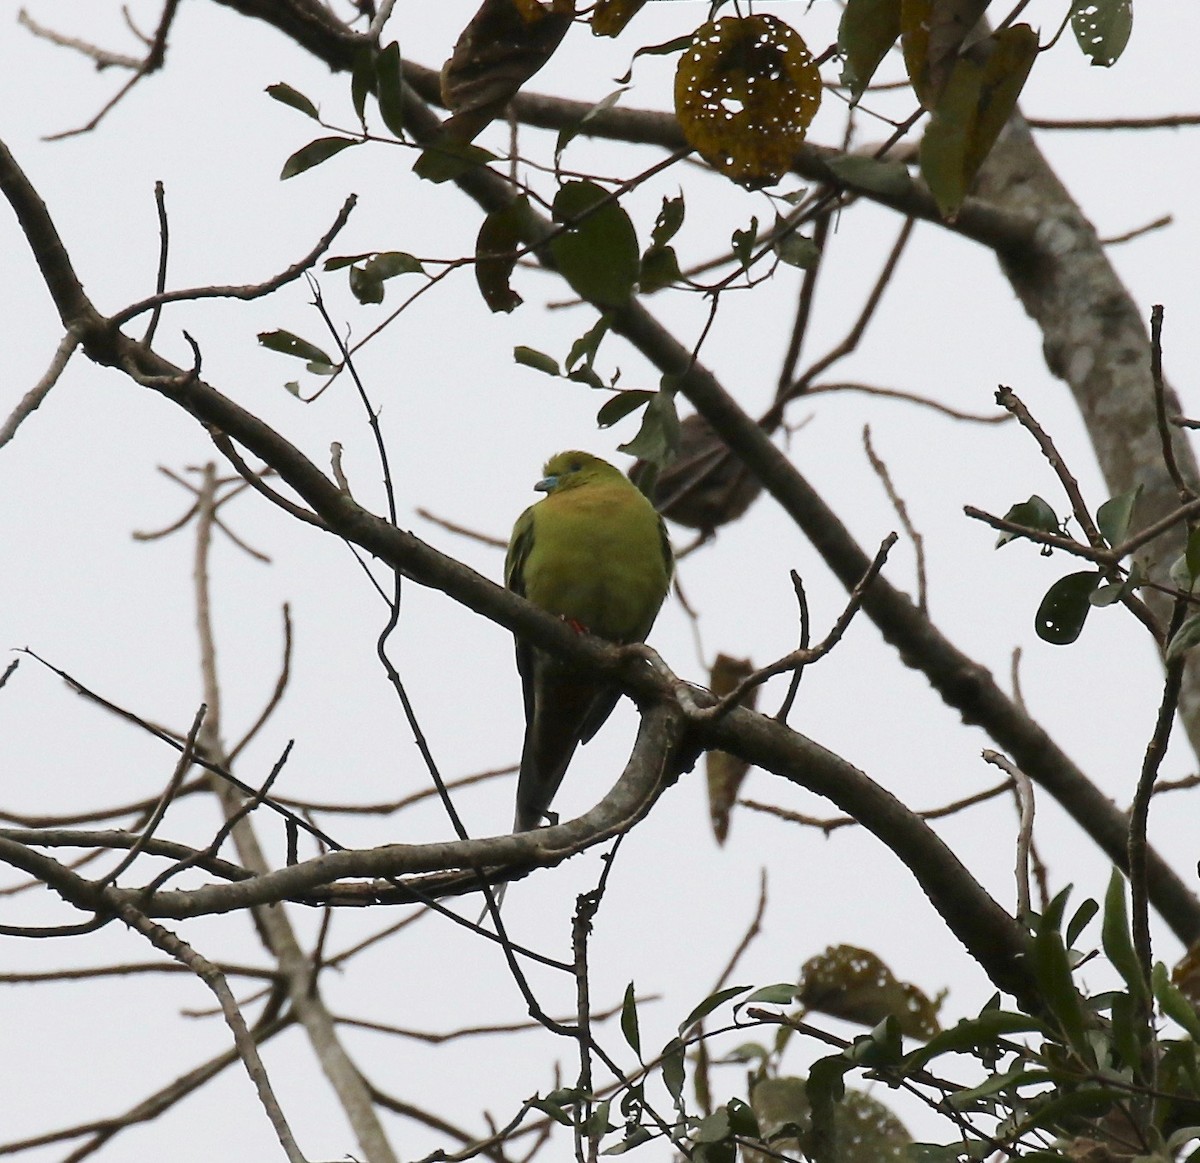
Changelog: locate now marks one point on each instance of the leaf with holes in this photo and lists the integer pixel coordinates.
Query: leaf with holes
(1065, 608)
(1102, 28)
(746, 91)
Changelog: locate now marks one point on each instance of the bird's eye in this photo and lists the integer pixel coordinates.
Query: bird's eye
(574, 466)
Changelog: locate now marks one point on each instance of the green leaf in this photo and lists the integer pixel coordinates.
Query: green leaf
(657, 440)
(971, 1033)
(660, 268)
(634, 1138)
(1114, 516)
(553, 1109)
(362, 82)
(826, 1086)
(390, 88)
(1192, 553)
(715, 1128)
(673, 1071)
(496, 247)
(668, 222)
(1184, 638)
(656, 50)
(286, 95)
(288, 344)
(1052, 969)
(773, 995)
(629, 1021)
(1110, 592)
(597, 1124)
(338, 261)
(1116, 939)
(711, 1002)
(620, 405)
(1102, 28)
(569, 132)
(586, 346)
(366, 282)
(741, 1118)
(1033, 514)
(1128, 1030)
(872, 175)
(867, 31)
(1065, 608)
(742, 243)
(796, 249)
(979, 95)
(314, 154)
(597, 253)
(386, 264)
(364, 287)
(444, 160)
(1173, 1003)
(537, 359)
(1080, 920)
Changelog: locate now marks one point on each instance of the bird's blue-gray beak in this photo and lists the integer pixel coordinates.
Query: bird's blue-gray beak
(546, 485)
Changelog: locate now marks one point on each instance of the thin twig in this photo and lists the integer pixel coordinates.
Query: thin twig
(247, 1049)
(1139, 809)
(785, 708)
(1138, 231)
(912, 398)
(1024, 788)
(881, 471)
(833, 823)
(33, 398)
(243, 291)
(160, 282)
(462, 530)
(803, 657)
(1185, 491)
(1009, 400)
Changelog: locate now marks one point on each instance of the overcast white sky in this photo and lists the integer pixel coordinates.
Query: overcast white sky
(468, 430)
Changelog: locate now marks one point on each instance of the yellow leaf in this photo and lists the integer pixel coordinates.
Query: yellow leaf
(725, 771)
(746, 91)
(852, 983)
(609, 17)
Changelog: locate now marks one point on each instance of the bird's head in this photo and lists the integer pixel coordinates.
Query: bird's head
(569, 470)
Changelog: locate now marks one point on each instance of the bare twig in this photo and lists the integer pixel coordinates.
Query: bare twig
(1139, 809)
(911, 397)
(164, 242)
(803, 657)
(150, 63)
(1024, 789)
(1185, 491)
(247, 1048)
(1009, 400)
(881, 471)
(33, 398)
(463, 531)
(243, 291)
(785, 708)
(1138, 231)
(833, 823)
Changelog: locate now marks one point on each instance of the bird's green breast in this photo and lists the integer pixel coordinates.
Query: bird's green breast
(597, 558)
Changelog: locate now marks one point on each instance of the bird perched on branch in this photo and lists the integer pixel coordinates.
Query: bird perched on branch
(594, 552)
